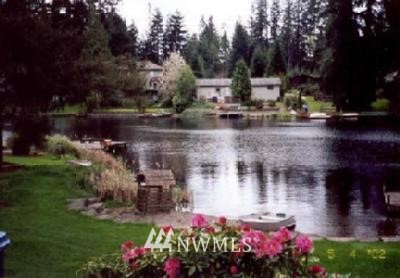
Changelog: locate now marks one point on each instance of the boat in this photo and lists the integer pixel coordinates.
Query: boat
(268, 221)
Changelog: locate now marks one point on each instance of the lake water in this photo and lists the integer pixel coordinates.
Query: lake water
(330, 178)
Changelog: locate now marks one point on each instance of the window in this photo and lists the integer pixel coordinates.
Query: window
(270, 87)
(218, 90)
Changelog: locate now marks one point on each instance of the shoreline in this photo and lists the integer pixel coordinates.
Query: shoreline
(181, 220)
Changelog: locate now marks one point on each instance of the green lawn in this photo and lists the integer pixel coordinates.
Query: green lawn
(316, 106)
(49, 241)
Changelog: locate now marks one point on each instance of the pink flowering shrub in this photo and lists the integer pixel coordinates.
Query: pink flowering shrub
(247, 253)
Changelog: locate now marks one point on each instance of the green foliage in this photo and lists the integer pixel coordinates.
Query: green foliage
(60, 145)
(276, 65)
(259, 62)
(174, 38)
(185, 86)
(241, 84)
(37, 195)
(29, 131)
(240, 48)
(209, 46)
(381, 104)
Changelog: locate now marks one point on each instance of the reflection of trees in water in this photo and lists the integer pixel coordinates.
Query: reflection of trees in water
(339, 189)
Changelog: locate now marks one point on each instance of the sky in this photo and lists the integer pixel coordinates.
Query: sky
(225, 12)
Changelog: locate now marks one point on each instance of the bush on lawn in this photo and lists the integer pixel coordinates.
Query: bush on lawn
(60, 145)
(254, 254)
(381, 104)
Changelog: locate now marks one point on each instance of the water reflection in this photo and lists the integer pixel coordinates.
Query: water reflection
(331, 178)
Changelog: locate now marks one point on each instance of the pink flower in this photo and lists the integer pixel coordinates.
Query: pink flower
(317, 270)
(234, 269)
(210, 230)
(199, 221)
(245, 228)
(269, 247)
(127, 245)
(167, 228)
(172, 267)
(252, 239)
(283, 235)
(222, 221)
(304, 244)
(132, 254)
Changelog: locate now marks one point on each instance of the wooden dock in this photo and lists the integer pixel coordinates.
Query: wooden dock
(230, 115)
(102, 144)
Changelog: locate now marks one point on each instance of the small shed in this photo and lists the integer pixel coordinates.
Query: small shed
(155, 191)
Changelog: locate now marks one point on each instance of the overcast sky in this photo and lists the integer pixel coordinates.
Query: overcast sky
(225, 12)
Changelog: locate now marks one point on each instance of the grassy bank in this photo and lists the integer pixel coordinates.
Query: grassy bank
(49, 241)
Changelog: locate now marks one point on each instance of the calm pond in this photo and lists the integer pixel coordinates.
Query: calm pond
(330, 178)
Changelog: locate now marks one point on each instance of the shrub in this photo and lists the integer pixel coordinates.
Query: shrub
(381, 104)
(252, 254)
(109, 177)
(271, 103)
(258, 103)
(60, 145)
(30, 130)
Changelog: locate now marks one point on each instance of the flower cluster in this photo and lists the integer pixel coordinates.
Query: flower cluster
(247, 253)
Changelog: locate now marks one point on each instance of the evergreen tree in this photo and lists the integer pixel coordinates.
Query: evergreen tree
(153, 45)
(259, 30)
(192, 56)
(209, 45)
(224, 54)
(174, 35)
(133, 39)
(240, 47)
(287, 34)
(117, 32)
(339, 58)
(258, 62)
(297, 51)
(275, 19)
(241, 84)
(276, 65)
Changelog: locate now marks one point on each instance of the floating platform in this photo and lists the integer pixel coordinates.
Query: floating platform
(100, 145)
(230, 115)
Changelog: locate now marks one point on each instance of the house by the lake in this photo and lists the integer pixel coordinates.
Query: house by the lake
(219, 89)
(153, 76)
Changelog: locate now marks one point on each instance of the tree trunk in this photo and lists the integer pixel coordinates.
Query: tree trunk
(1, 139)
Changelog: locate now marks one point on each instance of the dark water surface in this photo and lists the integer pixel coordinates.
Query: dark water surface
(330, 178)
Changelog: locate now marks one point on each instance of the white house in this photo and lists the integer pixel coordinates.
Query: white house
(219, 89)
(153, 75)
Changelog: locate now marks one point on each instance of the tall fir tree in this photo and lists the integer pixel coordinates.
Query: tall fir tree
(192, 56)
(174, 35)
(287, 34)
(276, 65)
(225, 50)
(275, 19)
(153, 45)
(209, 45)
(339, 58)
(240, 47)
(133, 40)
(259, 62)
(259, 26)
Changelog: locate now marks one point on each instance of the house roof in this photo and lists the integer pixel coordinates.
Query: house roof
(149, 66)
(226, 82)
